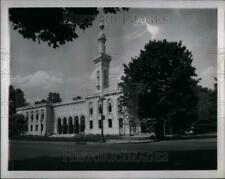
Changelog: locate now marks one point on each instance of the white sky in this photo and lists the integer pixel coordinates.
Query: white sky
(38, 69)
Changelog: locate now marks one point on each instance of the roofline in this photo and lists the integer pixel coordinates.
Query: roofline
(95, 95)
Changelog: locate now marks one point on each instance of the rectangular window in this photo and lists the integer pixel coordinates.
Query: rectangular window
(110, 123)
(42, 127)
(36, 127)
(99, 124)
(91, 124)
(31, 128)
(42, 114)
(91, 111)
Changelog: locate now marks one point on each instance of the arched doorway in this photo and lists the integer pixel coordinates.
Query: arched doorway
(82, 123)
(64, 126)
(76, 125)
(70, 126)
(59, 126)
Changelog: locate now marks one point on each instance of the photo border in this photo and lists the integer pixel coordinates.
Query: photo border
(5, 78)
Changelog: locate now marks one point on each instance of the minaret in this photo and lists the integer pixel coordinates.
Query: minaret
(101, 39)
(102, 62)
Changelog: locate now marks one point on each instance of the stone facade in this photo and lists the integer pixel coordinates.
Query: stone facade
(82, 115)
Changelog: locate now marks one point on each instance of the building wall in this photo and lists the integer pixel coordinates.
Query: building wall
(50, 115)
(108, 127)
(36, 125)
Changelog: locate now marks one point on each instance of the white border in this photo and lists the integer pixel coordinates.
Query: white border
(5, 76)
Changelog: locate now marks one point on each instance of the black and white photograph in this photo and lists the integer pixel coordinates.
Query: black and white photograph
(113, 89)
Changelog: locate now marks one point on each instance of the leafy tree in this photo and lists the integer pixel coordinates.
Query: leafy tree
(41, 101)
(56, 26)
(16, 99)
(54, 97)
(17, 122)
(166, 80)
(17, 125)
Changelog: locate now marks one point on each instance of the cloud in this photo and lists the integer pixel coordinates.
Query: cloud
(152, 29)
(40, 79)
(142, 29)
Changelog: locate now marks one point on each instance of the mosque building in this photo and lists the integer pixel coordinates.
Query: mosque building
(83, 115)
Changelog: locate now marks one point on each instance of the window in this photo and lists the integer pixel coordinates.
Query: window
(90, 124)
(42, 127)
(91, 108)
(110, 123)
(82, 123)
(59, 126)
(109, 106)
(99, 124)
(32, 115)
(31, 128)
(105, 78)
(37, 115)
(36, 127)
(98, 80)
(100, 108)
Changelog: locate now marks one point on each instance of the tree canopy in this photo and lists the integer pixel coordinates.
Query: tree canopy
(166, 80)
(16, 99)
(53, 97)
(56, 26)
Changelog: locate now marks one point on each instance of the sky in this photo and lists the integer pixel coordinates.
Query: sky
(39, 69)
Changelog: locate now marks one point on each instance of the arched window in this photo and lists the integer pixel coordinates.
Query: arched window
(76, 125)
(110, 123)
(59, 126)
(64, 126)
(70, 125)
(82, 123)
(91, 108)
(109, 105)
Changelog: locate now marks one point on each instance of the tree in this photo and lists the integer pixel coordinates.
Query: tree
(17, 125)
(56, 26)
(54, 97)
(166, 80)
(41, 101)
(17, 122)
(16, 99)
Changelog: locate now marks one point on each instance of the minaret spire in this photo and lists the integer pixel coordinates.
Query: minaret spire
(102, 62)
(101, 39)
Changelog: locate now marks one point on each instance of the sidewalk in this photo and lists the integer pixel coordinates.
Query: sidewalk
(145, 138)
